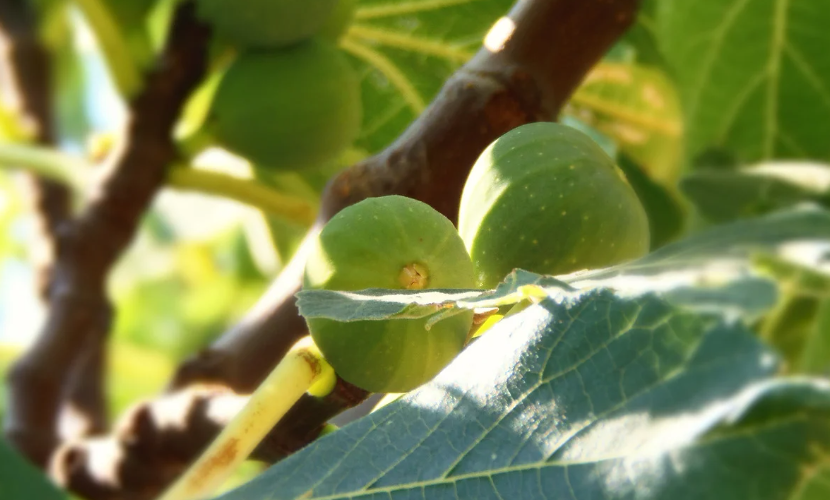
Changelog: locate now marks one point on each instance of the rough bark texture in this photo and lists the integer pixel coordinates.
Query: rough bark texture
(155, 441)
(80, 314)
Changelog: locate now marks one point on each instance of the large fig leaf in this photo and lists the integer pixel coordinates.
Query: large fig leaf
(753, 75)
(404, 51)
(587, 396)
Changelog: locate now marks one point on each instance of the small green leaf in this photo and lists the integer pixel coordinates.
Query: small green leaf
(382, 304)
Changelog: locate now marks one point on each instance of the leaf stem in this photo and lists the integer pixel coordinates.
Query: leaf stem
(122, 65)
(44, 162)
(302, 369)
(292, 208)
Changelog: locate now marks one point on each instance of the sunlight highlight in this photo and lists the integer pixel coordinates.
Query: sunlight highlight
(499, 34)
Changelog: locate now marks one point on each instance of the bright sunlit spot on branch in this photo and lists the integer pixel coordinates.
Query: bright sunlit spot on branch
(499, 34)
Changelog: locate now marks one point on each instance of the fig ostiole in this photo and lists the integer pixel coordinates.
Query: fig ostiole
(390, 242)
(547, 199)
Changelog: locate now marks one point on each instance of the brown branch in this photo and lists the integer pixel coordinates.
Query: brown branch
(554, 44)
(156, 441)
(80, 313)
(27, 88)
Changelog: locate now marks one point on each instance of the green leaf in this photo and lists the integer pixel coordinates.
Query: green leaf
(666, 216)
(19, 479)
(711, 271)
(380, 304)
(725, 195)
(641, 37)
(753, 75)
(404, 51)
(715, 269)
(638, 107)
(594, 396)
(799, 325)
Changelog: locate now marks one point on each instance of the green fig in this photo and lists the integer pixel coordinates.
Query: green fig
(339, 21)
(290, 109)
(546, 198)
(266, 23)
(389, 242)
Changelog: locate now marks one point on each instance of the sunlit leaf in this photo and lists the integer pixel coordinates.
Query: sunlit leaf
(405, 50)
(753, 75)
(592, 396)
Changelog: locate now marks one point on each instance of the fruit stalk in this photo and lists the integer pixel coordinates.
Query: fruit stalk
(302, 370)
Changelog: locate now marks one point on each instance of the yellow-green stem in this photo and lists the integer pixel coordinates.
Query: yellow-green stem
(250, 192)
(44, 162)
(301, 370)
(122, 65)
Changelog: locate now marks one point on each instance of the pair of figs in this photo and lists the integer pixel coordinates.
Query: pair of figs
(543, 197)
(291, 100)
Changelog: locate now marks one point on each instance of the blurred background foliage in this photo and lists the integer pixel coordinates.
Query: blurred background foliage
(200, 262)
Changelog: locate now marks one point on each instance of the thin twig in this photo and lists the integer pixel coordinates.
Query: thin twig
(26, 87)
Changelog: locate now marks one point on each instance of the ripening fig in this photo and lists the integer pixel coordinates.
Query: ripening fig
(389, 242)
(266, 23)
(289, 109)
(546, 198)
(339, 21)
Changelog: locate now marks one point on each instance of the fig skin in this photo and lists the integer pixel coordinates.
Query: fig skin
(287, 110)
(389, 242)
(339, 21)
(266, 23)
(546, 198)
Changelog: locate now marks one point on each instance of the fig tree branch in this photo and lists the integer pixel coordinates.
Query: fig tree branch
(26, 88)
(532, 62)
(155, 441)
(80, 313)
(526, 72)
